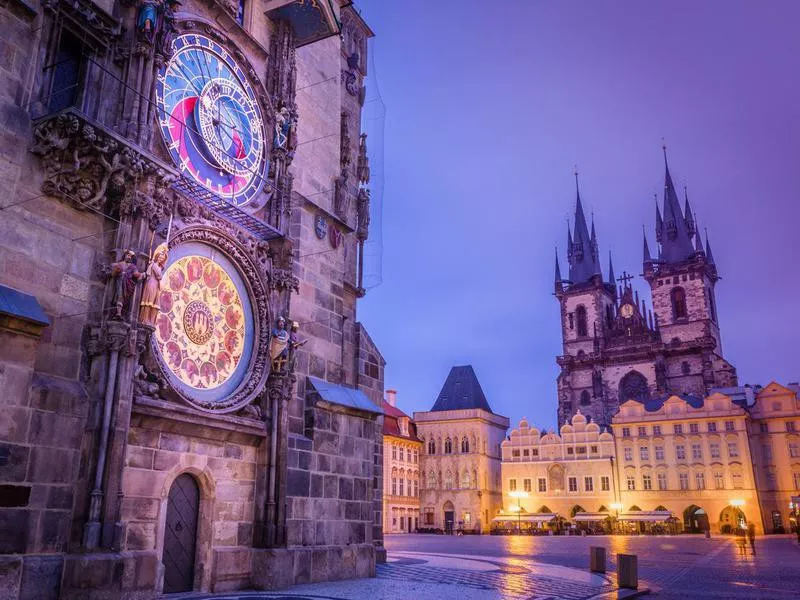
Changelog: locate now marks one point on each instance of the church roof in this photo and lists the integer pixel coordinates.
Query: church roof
(461, 390)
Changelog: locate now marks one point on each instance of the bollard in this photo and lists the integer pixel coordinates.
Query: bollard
(597, 559)
(627, 571)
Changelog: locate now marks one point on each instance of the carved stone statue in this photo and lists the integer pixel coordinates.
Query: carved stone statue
(126, 276)
(147, 19)
(294, 343)
(362, 208)
(363, 161)
(283, 128)
(279, 345)
(148, 310)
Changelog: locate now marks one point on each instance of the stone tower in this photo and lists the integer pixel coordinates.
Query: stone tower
(614, 348)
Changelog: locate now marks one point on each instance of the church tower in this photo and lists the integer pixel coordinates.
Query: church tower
(587, 310)
(682, 279)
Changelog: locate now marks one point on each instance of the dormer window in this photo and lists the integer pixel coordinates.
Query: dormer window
(403, 422)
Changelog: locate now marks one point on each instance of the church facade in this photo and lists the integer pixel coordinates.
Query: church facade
(190, 402)
(614, 347)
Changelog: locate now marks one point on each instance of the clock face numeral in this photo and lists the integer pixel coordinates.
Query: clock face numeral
(210, 120)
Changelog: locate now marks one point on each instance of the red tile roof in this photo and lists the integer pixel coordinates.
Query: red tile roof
(391, 424)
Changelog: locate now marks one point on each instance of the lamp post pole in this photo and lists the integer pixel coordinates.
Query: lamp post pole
(519, 496)
(616, 506)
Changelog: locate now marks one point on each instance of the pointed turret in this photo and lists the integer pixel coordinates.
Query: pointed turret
(698, 243)
(676, 243)
(583, 262)
(647, 258)
(709, 255)
(691, 223)
(558, 272)
(611, 279)
(659, 220)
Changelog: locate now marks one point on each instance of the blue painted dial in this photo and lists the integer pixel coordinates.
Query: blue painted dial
(210, 119)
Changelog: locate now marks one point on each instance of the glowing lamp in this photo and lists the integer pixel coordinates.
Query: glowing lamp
(616, 506)
(737, 502)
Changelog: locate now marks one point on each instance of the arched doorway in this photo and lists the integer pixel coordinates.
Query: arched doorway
(449, 516)
(695, 519)
(180, 536)
(731, 520)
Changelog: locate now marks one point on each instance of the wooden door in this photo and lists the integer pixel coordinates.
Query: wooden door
(180, 535)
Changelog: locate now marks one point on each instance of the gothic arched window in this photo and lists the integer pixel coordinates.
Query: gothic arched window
(465, 482)
(448, 446)
(448, 480)
(464, 445)
(431, 480)
(678, 297)
(585, 398)
(633, 387)
(431, 447)
(580, 316)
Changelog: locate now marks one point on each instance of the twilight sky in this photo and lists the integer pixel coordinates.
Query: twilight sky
(489, 107)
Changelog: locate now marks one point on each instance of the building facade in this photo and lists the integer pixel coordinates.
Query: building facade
(774, 433)
(460, 468)
(551, 474)
(684, 463)
(690, 456)
(191, 402)
(402, 451)
(614, 348)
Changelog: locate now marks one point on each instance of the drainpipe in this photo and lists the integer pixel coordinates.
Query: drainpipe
(272, 465)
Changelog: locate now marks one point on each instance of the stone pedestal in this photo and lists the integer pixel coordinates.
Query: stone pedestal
(597, 559)
(628, 571)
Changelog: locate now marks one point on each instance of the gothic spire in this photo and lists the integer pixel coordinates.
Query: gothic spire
(698, 243)
(583, 262)
(709, 255)
(558, 269)
(647, 257)
(611, 279)
(676, 243)
(659, 220)
(691, 223)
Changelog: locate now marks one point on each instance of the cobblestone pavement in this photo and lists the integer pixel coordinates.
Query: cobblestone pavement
(673, 566)
(430, 567)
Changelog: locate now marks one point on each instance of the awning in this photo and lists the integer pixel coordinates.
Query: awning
(646, 515)
(589, 516)
(343, 396)
(526, 518)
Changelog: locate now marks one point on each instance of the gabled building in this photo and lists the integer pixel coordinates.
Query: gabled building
(401, 466)
(460, 470)
(614, 347)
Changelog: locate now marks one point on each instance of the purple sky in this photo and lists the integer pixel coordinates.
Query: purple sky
(488, 111)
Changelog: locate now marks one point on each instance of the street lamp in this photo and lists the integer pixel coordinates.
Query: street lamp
(617, 506)
(519, 496)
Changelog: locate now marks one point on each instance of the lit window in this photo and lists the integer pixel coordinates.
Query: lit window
(733, 449)
(715, 450)
(628, 451)
(644, 453)
(680, 452)
(526, 485)
(647, 482)
(542, 484)
(700, 480)
(796, 478)
(512, 485)
(605, 483)
(594, 449)
(573, 484)
(659, 452)
(697, 452)
(656, 429)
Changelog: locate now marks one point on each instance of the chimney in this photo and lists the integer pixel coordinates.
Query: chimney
(391, 397)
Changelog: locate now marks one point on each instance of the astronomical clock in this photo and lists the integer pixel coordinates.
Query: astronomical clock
(210, 119)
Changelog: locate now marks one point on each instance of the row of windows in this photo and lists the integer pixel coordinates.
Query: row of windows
(683, 481)
(448, 482)
(405, 487)
(791, 427)
(572, 484)
(678, 429)
(447, 447)
(400, 453)
(571, 450)
(680, 452)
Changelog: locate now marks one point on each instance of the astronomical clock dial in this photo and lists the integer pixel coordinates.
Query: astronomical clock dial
(626, 310)
(204, 331)
(210, 119)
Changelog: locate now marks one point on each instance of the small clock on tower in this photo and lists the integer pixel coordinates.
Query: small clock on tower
(626, 310)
